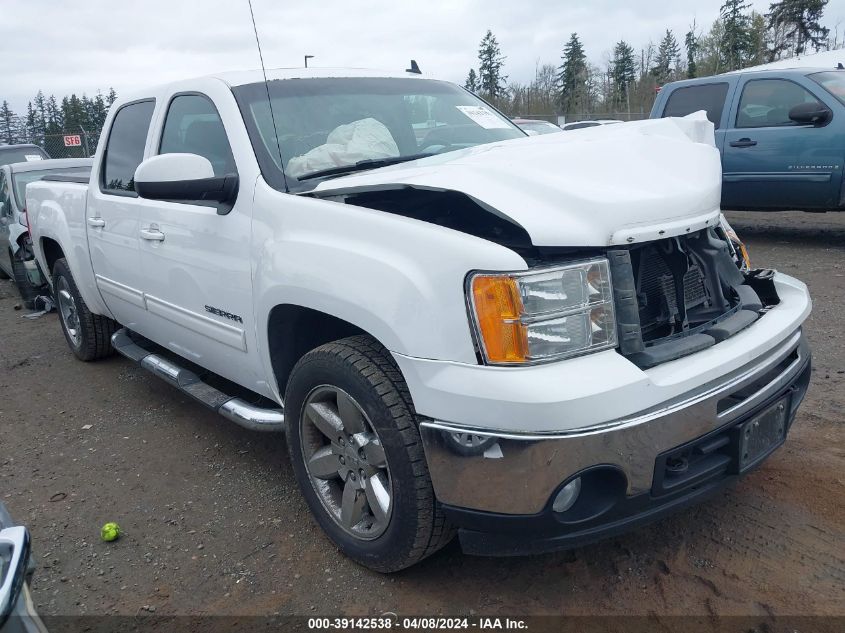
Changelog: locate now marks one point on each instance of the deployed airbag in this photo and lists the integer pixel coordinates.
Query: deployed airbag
(346, 145)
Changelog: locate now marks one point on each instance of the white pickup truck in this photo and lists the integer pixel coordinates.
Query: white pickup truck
(531, 341)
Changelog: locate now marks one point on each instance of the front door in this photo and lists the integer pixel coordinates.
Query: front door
(770, 161)
(112, 215)
(196, 255)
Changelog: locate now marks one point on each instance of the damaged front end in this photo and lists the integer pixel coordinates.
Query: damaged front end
(683, 294)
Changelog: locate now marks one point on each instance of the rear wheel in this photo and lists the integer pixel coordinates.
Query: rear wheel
(87, 334)
(358, 457)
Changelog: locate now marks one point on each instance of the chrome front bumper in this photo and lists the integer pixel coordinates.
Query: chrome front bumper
(517, 474)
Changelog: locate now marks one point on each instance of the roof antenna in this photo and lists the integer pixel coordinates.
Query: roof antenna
(414, 68)
(269, 101)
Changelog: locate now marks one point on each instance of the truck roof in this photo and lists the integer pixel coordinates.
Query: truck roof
(243, 77)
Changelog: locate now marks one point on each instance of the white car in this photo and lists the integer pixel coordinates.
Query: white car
(17, 261)
(532, 341)
(580, 125)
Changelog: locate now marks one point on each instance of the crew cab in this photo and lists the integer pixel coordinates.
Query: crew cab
(532, 341)
(781, 133)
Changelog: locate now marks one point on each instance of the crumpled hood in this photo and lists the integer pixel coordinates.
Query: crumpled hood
(615, 184)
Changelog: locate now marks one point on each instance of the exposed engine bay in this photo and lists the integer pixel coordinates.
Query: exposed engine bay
(683, 294)
(674, 296)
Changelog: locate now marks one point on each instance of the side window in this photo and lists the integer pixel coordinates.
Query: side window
(5, 196)
(689, 99)
(767, 102)
(193, 126)
(125, 147)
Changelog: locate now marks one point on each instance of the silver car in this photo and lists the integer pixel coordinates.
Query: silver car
(16, 257)
(17, 614)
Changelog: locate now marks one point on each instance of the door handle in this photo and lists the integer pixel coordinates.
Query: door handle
(97, 223)
(153, 235)
(743, 142)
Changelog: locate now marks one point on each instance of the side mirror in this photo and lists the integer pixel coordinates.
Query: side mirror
(15, 541)
(183, 177)
(810, 113)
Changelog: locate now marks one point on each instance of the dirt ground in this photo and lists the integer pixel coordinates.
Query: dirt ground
(214, 523)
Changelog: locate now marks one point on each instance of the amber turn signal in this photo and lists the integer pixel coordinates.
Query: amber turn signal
(498, 307)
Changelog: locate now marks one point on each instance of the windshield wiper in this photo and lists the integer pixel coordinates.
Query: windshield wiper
(361, 165)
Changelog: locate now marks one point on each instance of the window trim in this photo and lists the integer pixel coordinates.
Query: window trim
(725, 106)
(744, 85)
(101, 177)
(193, 93)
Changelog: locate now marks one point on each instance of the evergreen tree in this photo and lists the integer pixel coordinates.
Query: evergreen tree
(39, 124)
(471, 83)
(491, 81)
(623, 71)
(736, 48)
(54, 123)
(758, 38)
(572, 77)
(666, 61)
(691, 44)
(795, 26)
(8, 131)
(111, 97)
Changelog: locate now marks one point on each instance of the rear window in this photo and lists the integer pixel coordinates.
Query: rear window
(125, 147)
(833, 81)
(22, 179)
(689, 99)
(9, 155)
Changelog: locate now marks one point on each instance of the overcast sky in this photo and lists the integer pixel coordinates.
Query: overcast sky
(86, 45)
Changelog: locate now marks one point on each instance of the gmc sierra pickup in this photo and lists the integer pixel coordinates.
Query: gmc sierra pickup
(534, 342)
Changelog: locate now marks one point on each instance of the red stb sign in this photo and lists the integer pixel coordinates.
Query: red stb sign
(73, 140)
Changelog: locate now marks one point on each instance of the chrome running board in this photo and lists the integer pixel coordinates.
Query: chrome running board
(235, 409)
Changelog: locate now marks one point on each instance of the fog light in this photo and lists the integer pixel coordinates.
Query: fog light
(567, 496)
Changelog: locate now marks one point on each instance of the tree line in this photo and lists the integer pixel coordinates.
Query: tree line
(626, 84)
(46, 116)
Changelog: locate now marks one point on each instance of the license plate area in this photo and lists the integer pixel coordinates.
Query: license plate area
(732, 449)
(763, 433)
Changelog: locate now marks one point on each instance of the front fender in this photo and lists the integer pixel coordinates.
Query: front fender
(399, 279)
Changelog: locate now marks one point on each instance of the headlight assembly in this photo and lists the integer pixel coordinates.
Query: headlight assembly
(542, 315)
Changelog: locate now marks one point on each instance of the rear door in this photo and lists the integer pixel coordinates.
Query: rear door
(112, 214)
(771, 162)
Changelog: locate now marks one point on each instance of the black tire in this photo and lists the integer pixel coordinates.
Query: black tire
(95, 331)
(363, 369)
(26, 288)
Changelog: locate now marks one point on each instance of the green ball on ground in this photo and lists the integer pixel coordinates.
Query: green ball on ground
(110, 531)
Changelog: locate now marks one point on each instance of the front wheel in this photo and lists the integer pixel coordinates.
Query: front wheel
(358, 457)
(87, 334)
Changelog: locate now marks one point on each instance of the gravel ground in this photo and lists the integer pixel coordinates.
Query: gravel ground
(214, 523)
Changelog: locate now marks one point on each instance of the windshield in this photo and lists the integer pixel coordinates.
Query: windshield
(9, 155)
(833, 81)
(22, 179)
(338, 125)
